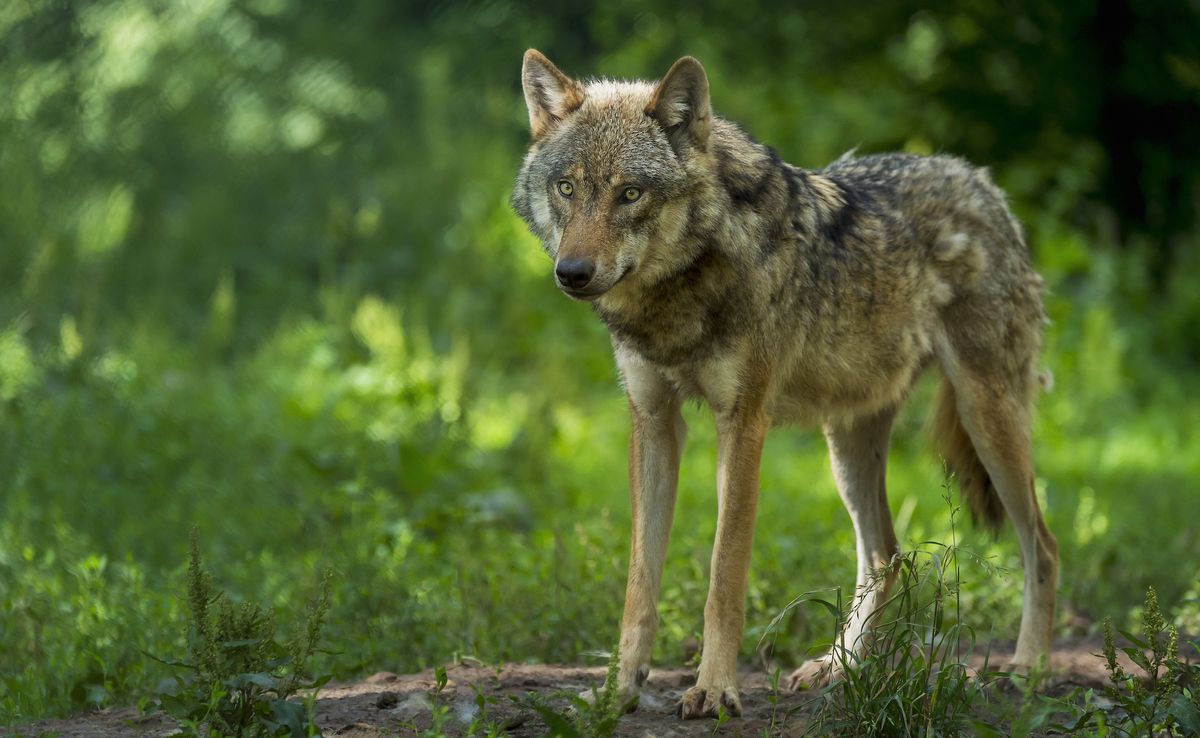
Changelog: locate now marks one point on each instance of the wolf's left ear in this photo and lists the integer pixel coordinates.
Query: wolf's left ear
(681, 105)
(550, 94)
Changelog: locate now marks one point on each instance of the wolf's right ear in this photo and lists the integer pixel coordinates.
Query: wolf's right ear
(681, 104)
(550, 94)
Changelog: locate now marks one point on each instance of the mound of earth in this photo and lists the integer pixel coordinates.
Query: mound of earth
(387, 704)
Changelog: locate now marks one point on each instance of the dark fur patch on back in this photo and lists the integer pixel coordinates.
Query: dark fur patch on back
(838, 225)
(793, 181)
(748, 185)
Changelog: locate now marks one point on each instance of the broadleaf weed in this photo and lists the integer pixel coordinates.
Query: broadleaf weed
(239, 680)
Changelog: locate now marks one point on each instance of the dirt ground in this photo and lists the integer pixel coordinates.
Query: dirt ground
(387, 704)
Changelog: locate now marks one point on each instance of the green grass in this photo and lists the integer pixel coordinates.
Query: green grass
(914, 680)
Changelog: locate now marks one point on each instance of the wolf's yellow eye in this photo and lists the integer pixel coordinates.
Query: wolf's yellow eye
(631, 194)
(565, 188)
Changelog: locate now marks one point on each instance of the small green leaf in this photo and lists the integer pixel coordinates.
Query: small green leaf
(1186, 713)
(292, 716)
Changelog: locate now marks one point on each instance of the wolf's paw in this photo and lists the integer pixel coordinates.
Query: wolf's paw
(814, 674)
(701, 702)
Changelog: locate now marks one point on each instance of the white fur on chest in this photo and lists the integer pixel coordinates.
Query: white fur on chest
(717, 381)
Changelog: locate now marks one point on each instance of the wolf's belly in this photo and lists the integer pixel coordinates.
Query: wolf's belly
(840, 385)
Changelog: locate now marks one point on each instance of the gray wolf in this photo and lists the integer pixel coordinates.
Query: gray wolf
(779, 295)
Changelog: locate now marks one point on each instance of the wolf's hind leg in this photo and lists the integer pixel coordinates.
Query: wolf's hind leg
(994, 411)
(858, 453)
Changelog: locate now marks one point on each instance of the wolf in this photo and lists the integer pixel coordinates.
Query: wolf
(779, 295)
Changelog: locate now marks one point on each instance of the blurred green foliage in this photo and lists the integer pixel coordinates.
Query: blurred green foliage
(258, 272)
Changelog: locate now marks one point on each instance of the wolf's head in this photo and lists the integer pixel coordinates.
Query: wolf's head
(606, 179)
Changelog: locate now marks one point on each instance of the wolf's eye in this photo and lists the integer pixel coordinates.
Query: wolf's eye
(565, 188)
(631, 194)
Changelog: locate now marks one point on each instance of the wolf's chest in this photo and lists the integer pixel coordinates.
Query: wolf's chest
(683, 327)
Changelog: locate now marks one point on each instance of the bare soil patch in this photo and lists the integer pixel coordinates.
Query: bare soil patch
(387, 704)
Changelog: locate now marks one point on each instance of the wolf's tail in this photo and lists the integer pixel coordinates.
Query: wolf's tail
(963, 462)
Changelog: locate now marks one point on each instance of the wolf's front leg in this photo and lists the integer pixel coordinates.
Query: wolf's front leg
(654, 450)
(741, 431)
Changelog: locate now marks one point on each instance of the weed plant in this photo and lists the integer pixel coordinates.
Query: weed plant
(239, 680)
(1162, 700)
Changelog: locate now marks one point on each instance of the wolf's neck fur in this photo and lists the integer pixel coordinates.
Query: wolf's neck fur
(748, 213)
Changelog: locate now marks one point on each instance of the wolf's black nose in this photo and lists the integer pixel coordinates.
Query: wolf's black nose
(575, 273)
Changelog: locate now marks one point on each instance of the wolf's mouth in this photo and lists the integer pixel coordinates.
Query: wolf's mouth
(588, 295)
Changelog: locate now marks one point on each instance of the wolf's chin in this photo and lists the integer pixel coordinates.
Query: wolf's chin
(582, 295)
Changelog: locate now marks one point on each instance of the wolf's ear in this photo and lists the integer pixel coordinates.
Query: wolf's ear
(550, 94)
(681, 105)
